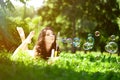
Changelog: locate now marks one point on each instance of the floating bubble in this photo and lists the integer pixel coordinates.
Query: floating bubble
(97, 33)
(87, 46)
(76, 42)
(76, 39)
(64, 40)
(90, 42)
(90, 39)
(111, 47)
(90, 46)
(89, 35)
(107, 48)
(112, 37)
(69, 40)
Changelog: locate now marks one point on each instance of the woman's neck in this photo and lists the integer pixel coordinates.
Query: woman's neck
(48, 47)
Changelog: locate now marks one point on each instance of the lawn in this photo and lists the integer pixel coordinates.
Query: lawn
(79, 66)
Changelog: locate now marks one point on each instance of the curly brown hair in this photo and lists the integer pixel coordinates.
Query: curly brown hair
(41, 46)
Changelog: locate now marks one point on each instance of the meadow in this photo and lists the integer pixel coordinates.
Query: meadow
(69, 66)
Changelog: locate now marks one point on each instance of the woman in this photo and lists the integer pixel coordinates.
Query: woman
(45, 45)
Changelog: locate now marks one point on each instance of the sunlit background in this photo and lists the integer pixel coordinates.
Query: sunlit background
(73, 19)
(34, 3)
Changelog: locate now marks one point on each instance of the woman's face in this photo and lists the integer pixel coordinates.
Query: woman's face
(49, 37)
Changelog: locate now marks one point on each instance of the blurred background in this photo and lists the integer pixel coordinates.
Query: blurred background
(76, 21)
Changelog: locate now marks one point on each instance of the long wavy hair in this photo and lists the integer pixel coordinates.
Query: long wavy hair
(41, 47)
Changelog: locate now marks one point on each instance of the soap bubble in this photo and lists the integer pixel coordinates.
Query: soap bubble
(90, 42)
(69, 40)
(87, 46)
(64, 40)
(89, 35)
(76, 42)
(90, 39)
(111, 47)
(76, 39)
(107, 48)
(97, 33)
(112, 37)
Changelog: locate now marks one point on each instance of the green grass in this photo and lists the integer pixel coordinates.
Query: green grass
(79, 66)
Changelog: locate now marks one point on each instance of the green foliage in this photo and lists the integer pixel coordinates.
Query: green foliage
(10, 38)
(118, 21)
(79, 17)
(69, 66)
(6, 7)
(10, 18)
(84, 16)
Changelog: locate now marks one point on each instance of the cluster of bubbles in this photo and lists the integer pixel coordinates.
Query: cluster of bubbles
(90, 42)
(75, 41)
(112, 46)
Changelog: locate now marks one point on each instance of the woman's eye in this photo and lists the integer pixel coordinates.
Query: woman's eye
(53, 34)
(50, 34)
(47, 34)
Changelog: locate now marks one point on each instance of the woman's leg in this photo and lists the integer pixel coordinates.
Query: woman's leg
(24, 43)
(22, 35)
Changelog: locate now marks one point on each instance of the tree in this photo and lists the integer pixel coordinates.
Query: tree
(24, 2)
(5, 10)
(9, 38)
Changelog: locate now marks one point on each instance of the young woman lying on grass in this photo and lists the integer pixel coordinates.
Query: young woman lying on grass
(45, 47)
